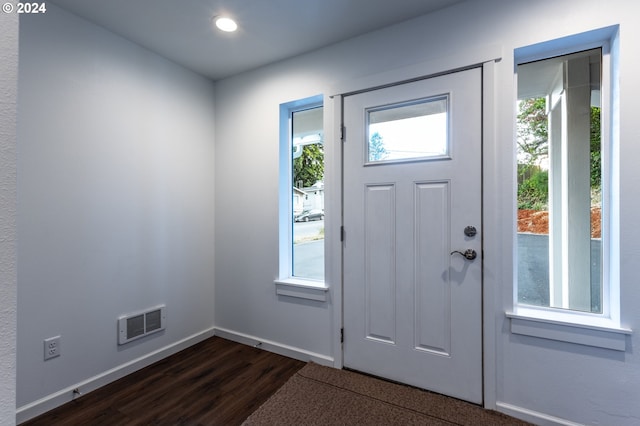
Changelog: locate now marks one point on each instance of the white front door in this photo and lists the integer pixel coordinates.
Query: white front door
(412, 184)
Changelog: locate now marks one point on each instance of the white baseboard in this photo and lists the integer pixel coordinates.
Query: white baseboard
(278, 348)
(531, 416)
(54, 400)
(63, 396)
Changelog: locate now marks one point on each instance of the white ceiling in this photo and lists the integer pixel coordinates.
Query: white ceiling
(269, 30)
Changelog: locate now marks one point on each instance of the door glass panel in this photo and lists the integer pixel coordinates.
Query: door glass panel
(408, 131)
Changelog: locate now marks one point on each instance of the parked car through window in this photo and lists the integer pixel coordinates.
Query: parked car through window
(307, 215)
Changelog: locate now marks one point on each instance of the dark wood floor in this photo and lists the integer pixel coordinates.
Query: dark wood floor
(216, 382)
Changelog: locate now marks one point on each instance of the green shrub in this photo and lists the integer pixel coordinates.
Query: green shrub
(533, 191)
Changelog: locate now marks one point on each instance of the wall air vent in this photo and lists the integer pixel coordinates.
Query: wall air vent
(140, 324)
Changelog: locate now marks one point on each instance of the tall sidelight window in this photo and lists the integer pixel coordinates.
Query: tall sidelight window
(562, 183)
(307, 193)
(301, 194)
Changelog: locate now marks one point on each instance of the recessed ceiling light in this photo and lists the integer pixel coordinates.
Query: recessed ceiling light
(226, 24)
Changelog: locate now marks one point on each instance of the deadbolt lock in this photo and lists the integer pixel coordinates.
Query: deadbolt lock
(470, 231)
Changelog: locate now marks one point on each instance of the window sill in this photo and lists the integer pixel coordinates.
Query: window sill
(302, 289)
(600, 336)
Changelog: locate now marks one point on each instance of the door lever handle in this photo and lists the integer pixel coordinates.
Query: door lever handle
(468, 254)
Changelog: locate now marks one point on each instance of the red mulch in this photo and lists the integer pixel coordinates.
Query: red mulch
(537, 222)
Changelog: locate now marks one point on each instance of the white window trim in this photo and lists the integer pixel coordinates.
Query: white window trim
(302, 288)
(602, 330)
(557, 328)
(287, 284)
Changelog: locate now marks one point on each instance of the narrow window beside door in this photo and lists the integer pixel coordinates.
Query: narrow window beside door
(307, 168)
(301, 195)
(561, 181)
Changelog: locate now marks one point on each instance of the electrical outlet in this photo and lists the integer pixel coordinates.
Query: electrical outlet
(51, 347)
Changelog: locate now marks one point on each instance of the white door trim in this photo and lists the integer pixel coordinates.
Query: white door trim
(447, 65)
(491, 303)
(491, 202)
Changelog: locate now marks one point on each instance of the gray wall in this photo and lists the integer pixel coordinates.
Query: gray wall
(8, 258)
(539, 379)
(118, 179)
(115, 205)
